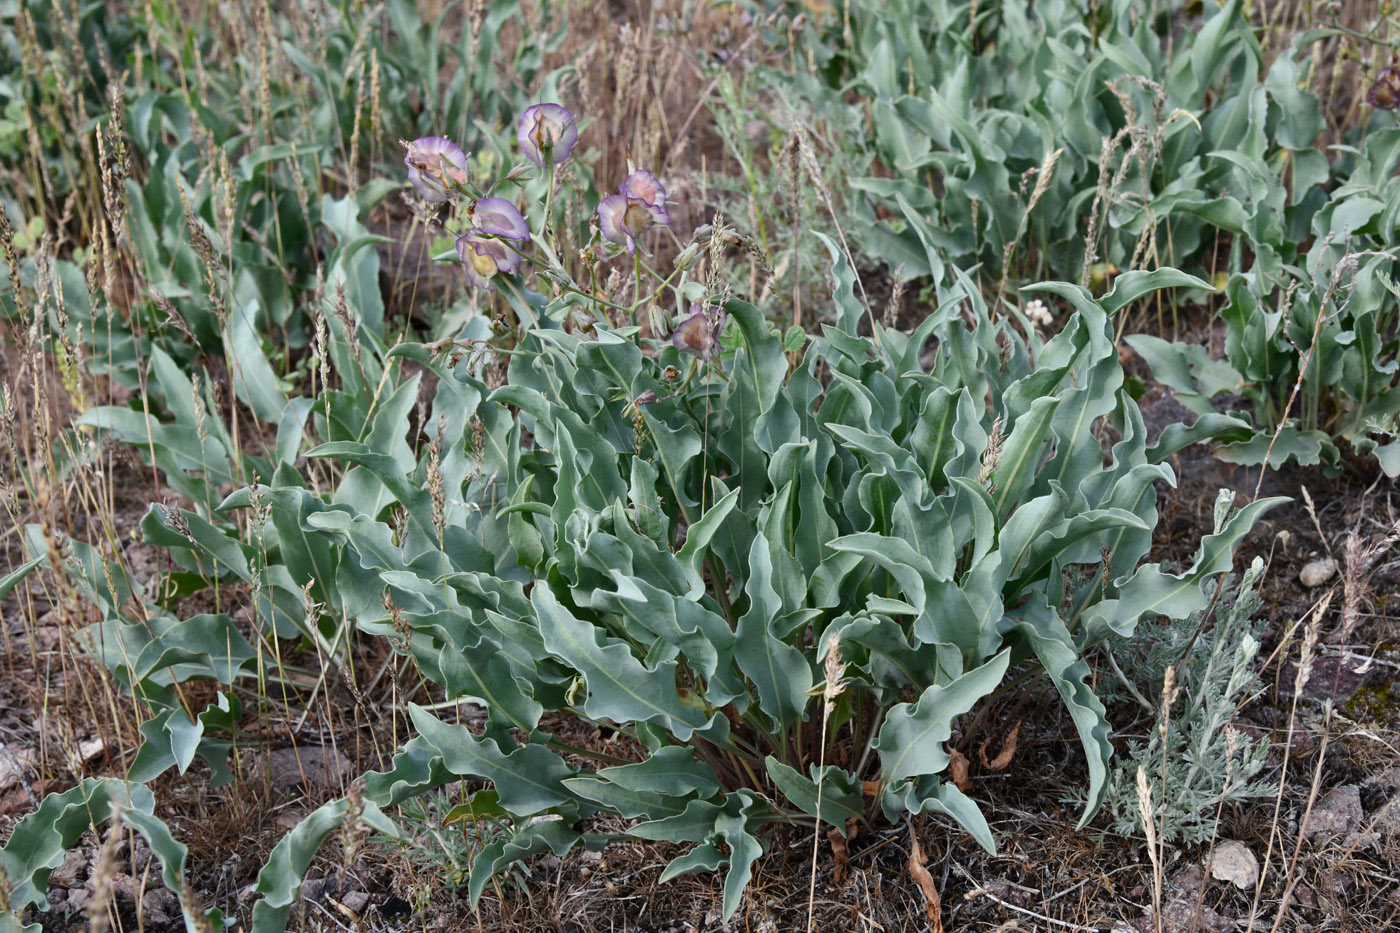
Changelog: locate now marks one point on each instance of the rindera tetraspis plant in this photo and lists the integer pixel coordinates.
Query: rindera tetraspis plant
(672, 552)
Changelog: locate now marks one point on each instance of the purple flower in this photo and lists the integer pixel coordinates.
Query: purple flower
(624, 217)
(484, 257)
(546, 131)
(1385, 93)
(497, 217)
(643, 186)
(435, 165)
(698, 335)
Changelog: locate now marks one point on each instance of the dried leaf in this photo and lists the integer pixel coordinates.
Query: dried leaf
(872, 788)
(920, 873)
(957, 770)
(1008, 749)
(840, 855)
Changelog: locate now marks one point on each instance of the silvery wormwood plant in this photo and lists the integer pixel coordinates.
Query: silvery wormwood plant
(669, 535)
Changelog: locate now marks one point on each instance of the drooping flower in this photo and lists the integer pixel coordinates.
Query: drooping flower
(625, 216)
(497, 217)
(1385, 93)
(643, 186)
(546, 131)
(698, 335)
(434, 165)
(484, 257)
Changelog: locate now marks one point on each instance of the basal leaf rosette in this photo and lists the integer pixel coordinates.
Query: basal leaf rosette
(670, 537)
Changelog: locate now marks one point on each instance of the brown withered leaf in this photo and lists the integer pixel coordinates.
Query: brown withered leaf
(1008, 749)
(918, 870)
(840, 855)
(957, 770)
(872, 788)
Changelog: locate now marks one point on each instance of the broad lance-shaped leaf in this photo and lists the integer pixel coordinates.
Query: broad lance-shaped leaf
(697, 542)
(931, 795)
(734, 823)
(625, 801)
(10, 580)
(841, 795)
(911, 740)
(482, 673)
(40, 840)
(675, 448)
(528, 778)
(532, 839)
(1022, 453)
(1211, 426)
(620, 688)
(38, 843)
(780, 673)
(1149, 591)
(945, 615)
(1048, 637)
(670, 770)
(848, 309)
(280, 880)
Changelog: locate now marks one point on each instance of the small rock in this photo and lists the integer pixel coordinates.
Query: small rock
(91, 749)
(1189, 915)
(160, 906)
(309, 766)
(78, 898)
(313, 890)
(355, 902)
(1188, 882)
(123, 887)
(141, 859)
(1317, 572)
(1232, 861)
(1181, 915)
(1387, 813)
(13, 764)
(71, 870)
(1339, 814)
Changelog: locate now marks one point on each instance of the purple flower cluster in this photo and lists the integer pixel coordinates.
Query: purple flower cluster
(546, 132)
(547, 135)
(698, 335)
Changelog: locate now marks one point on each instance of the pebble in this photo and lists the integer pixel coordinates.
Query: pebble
(1232, 861)
(1317, 572)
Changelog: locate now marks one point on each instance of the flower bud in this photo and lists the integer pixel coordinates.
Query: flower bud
(688, 257)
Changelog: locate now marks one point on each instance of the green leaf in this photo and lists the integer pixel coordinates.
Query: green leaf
(620, 688)
(841, 792)
(12, 579)
(280, 880)
(781, 673)
(911, 740)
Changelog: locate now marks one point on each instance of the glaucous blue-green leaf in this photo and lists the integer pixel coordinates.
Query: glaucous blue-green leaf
(781, 674)
(911, 740)
(841, 795)
(620, 687)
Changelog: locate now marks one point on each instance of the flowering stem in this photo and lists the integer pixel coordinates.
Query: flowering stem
(548, 198)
